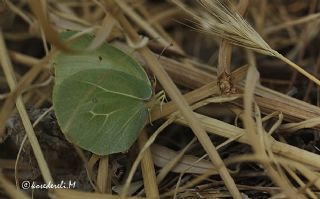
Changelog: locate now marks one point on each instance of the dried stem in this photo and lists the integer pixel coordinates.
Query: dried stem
(10, 189)
(181, 103)
(102, 176)
(196, 95)
(255, 131)
(297, 67)
(148, 172)
(10, 76)
(224, 60)
(219, 20)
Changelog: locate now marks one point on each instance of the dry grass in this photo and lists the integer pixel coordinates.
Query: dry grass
(254, 134)
(218, 19)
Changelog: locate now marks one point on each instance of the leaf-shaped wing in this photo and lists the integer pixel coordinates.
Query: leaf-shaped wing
(106, 56)
(101, 110)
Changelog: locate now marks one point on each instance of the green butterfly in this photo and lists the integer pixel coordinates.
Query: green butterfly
(100, 97)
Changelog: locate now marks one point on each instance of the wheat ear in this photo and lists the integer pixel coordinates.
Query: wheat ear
(221, 20)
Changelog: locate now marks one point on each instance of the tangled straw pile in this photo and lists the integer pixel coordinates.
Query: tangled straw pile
(220, 19)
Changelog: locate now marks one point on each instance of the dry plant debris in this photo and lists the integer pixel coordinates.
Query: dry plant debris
(239, 122)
